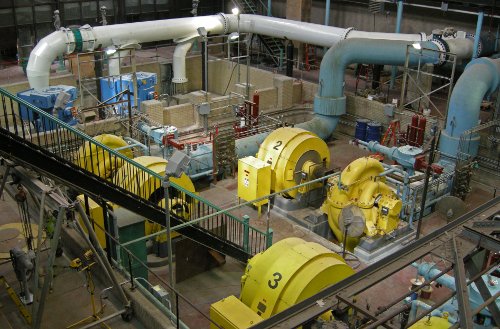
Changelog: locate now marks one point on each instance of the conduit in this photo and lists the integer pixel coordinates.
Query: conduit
(480, 78)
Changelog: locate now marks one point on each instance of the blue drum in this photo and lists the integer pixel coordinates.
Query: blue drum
(373, 131)
(360, 132)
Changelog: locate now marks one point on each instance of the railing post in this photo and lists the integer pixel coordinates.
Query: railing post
(269, 238)
(246, 233)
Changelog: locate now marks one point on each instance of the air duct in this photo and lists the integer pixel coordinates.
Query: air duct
(480, 78)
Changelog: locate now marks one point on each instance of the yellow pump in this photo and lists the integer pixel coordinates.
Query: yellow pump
(288, 272)
(365, 193)
(146, 186)
(296, 156)
(97, 160)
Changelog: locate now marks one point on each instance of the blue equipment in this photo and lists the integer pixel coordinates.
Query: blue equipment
(111, 86)
(55, 100)
(373, 131)
(360, 132)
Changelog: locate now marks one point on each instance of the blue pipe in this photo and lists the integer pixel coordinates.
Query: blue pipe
(477, 37)
(269, 8)
(480, 78)
(399, 18)
(330, 99)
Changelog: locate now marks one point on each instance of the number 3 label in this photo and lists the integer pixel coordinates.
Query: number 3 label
(273, 284)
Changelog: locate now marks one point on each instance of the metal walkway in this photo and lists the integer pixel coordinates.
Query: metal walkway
(53, 148)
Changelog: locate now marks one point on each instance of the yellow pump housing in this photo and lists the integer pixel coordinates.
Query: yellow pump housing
(296, 156)
(362, 187)
(131, 180)
(97, 160)
(288, 272)
(433, 322)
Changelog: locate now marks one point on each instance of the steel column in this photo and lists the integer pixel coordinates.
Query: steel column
(465, 313)
(477, 37)
(399, 18)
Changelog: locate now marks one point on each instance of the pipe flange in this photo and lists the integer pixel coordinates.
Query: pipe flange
(443, 48)
(472, 37)
(346, 32)
(225, 22)
(423, 36)
(179, 80)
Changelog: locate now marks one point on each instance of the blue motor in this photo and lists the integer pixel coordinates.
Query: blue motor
(146, 82)
(55, 100)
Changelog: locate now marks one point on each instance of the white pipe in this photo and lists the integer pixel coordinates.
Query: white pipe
(179, 61)
(315, 34)
(463, 48)
(114, 63)
(87, 39)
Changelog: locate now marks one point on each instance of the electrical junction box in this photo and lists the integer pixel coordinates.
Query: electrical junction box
(254, 179)
(203, 108)
(231, 313)
(389, 110)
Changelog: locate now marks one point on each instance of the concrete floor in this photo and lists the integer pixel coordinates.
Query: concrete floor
(69, 300)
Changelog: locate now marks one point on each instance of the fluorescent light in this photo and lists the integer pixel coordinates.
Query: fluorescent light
(233, 36)
(235, 11)
(417, 45)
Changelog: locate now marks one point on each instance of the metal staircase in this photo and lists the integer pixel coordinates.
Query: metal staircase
(57, 154)
(273, 46)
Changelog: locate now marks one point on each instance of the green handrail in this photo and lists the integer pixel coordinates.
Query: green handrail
(116, 154)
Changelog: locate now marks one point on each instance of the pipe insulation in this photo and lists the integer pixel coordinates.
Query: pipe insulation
(86, 38)
(480, 79)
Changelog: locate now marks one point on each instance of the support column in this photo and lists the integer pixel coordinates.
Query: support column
(327, 13)
(269, 8)
(399, 18)
(477, 37)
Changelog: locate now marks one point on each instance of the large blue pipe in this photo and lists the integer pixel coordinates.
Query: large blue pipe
(480, 78)
(330, 99)
(330, 102)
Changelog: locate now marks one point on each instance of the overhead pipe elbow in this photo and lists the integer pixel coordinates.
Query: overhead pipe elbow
(480, 78)
(42, 56)
(179, 61)
(330, 99)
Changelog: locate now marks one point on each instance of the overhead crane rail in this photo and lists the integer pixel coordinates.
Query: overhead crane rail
(53, 152)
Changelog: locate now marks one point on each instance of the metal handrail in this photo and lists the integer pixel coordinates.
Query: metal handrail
(113, 157)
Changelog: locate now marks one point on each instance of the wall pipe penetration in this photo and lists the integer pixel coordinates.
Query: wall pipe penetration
(480, 79)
